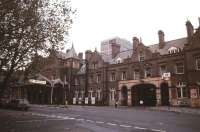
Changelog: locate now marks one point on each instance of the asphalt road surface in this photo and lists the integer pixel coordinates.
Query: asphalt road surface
(96, 119)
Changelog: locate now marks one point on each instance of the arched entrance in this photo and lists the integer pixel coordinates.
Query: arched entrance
(143, 95)
(124, 96)
(164, 88)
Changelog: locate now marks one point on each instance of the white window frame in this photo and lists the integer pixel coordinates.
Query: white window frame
(141, 57)
(112, 76)
(112, 94)
(123, 77)
(98, 78)
(198, 63)
(98, 94)
(177, 68)
(181, 86)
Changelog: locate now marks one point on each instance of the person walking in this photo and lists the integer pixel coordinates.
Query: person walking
(116, 103)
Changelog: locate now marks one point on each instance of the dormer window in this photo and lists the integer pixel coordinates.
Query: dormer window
(119, 60)
(141, 56)
(173, 50)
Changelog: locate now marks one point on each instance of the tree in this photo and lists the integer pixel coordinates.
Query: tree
(29, 28)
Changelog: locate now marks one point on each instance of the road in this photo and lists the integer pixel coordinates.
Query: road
(96, 119)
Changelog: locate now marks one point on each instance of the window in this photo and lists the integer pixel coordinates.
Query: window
(98, 78)
(94, 66)
(147, 72)
(112, 78)
(136, 75)
(141, 57)
(76, 81)
(181, 90)
(119, 60)
(98, 94)
(90, 94)
(123, 75)
(112, 94)
(198, 63)
(76, 94)
(163, 69)
(179, 68)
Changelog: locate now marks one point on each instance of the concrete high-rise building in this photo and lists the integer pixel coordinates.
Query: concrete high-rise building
(113, 46)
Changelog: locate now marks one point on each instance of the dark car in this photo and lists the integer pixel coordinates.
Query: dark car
(19, 104)
(3, 103)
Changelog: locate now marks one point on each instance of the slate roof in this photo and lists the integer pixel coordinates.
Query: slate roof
(178, 43)
(70, 53)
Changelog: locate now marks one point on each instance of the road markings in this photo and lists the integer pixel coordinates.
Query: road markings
(99, 122)
(90, 121)
(79, 119)
(141, 128)
(27, 121)
(156, 130)
(125, 126)
(111, 124)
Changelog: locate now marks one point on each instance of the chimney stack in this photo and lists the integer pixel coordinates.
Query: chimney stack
(80, 55)
(135, 42)
(190, 29)
(161, 37)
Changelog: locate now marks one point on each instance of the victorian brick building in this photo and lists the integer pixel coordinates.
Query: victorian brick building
(167, 73)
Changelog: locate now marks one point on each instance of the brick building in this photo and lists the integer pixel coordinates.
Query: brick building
(167, 73)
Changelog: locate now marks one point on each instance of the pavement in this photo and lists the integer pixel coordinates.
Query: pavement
(186, 110)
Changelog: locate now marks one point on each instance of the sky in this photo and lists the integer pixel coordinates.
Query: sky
(98, 20)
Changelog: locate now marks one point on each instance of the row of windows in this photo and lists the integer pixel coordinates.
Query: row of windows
(179, 69)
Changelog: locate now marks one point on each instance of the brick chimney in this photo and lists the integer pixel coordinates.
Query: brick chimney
(190, 29)
(135, 42)
(161, 38)
(80, 55)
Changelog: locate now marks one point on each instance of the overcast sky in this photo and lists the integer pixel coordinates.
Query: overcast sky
(97, 20)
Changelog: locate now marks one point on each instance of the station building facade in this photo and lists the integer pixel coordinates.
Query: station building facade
(166, 73)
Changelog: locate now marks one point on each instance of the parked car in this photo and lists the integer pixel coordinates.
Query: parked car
(19, 104)
(3, 103)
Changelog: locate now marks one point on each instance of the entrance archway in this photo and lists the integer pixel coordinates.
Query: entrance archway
(124, 96)
(143, 95)
(164, 88)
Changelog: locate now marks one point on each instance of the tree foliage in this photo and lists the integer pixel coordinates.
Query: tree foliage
(29, 28)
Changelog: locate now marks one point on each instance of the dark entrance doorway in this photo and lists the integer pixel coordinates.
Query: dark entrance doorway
(124, 97)
(164, 94)
(143, 95)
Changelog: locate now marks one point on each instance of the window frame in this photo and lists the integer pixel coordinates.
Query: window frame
(197, 60)
(123, 77)
(134, 75)
(176, 68)
(181, 86)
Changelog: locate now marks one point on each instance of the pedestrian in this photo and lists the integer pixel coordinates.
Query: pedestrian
(116, 103)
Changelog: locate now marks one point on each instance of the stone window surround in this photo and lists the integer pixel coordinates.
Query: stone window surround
(112, 76)
(180, 66)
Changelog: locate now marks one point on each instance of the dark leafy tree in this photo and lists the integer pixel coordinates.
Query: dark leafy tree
(29, 28)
